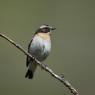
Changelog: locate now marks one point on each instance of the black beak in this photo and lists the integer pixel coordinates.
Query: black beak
(52, 28)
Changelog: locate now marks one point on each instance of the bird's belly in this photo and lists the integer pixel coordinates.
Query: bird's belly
(40, 49)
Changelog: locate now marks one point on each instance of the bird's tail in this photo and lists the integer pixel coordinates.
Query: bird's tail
(31, 70)
(29, 74)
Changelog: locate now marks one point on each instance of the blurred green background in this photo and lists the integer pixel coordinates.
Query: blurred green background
(73, 49)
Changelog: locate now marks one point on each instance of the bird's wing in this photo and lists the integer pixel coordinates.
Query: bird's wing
(28, 59)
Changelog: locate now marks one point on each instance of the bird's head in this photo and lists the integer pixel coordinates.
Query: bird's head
(45, 29)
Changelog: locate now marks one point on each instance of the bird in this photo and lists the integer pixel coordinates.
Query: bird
(39, 47)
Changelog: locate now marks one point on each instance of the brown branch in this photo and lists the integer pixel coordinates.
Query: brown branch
(43, 66)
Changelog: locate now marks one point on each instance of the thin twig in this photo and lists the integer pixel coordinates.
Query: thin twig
(43, 66)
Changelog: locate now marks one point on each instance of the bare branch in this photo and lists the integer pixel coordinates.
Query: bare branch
(43, 66)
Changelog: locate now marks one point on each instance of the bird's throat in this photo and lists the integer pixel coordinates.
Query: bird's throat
(44, 36)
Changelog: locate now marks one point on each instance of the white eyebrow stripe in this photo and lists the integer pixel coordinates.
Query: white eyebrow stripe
(43, 26)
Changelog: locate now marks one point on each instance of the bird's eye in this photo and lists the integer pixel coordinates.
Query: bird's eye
(45, 30)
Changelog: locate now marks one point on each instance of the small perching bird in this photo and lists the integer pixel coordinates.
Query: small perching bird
(39, 47)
